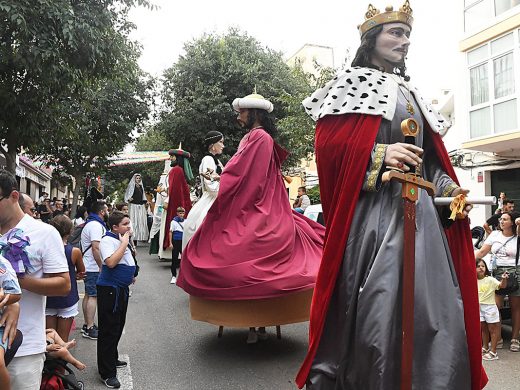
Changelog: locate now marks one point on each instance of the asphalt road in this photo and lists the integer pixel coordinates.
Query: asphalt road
(166, 350)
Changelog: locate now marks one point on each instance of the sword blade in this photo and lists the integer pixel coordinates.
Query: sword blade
(408, 295)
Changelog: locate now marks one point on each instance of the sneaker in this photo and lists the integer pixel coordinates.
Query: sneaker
(121, 363)
(84, 329)
(174, 280)
(112, 383)
(91, 333)
(490, 356)
(252, 337)
(515, 345)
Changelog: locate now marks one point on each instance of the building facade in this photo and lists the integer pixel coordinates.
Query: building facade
(485, 144)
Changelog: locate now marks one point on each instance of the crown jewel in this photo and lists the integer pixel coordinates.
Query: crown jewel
(374, 17)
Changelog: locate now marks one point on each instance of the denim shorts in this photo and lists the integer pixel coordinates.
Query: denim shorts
(3, 345)
(90, 283)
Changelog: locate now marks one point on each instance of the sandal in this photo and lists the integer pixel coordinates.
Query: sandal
(490, 356)
(515, 345)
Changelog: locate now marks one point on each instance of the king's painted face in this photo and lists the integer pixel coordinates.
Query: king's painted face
(391, 45)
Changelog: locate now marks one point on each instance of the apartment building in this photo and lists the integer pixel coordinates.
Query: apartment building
(485, 145)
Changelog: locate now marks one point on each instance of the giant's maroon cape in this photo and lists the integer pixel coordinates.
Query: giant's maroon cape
(178, 195)
(251, 245)
(343, 146)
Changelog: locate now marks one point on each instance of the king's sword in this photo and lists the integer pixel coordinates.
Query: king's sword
(411, 182)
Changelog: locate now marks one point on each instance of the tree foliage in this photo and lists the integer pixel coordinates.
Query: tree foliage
(199, 88)
(49, 50)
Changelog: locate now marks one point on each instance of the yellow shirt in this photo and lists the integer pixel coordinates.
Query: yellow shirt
(486, 290)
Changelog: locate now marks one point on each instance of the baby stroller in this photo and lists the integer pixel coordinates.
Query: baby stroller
(57, 375)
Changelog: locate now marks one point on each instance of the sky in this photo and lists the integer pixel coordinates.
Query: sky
(287, 25)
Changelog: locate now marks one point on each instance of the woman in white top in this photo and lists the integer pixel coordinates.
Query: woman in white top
(209, 170)
(503, 245)
(81, 216)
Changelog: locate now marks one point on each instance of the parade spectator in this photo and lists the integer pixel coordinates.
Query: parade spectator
(123, 207)
(81, 216)
(44, 195)
(44, 273)
(10, 293)
(302, 201)
(503, 245)
(500, 201)
(117, 273)
(356, 322)
(45, 210)
(59, 348)
(176, 232)
(27, 205)
(489, 315)
(493, 222)
(60, 311)
(66, 210)
(58, 208)
(94, 230)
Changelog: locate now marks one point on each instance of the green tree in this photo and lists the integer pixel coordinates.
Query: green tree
(199, 88)
(49, 50)
(100, 121)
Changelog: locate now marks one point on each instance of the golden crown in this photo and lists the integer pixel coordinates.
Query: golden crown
(374, 17)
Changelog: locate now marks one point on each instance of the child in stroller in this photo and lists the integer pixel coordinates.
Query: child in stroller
(56, 373)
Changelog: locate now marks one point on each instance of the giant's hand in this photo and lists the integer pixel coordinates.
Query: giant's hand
(399, 154)
(458, 191)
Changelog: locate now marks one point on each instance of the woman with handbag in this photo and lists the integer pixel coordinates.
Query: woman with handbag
(504, 247)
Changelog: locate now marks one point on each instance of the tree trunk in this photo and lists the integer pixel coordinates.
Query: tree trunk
(10, 160)
(77, 186)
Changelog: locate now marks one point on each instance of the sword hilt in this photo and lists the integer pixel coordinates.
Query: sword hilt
(410, 128)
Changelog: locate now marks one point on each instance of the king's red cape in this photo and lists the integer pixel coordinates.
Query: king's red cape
(343, 146)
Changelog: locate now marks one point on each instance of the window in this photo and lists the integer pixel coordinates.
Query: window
(493, 90)
(477, 14)
(479, 122)
(505, 116)
(479, 85)
(502, 6)
(504, 76)
(480, 13)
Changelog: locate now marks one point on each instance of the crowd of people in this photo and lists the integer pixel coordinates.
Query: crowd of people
(497, 271)
(43, 253)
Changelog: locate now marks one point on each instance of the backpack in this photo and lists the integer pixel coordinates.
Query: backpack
(75, 236)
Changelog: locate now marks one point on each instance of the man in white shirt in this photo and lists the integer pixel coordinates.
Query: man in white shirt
(91, 235)
(42, 271)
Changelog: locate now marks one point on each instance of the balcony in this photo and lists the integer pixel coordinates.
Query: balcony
(503, 144)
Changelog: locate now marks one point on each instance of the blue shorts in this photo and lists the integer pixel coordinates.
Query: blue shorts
(90, 283)
(3, 345)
